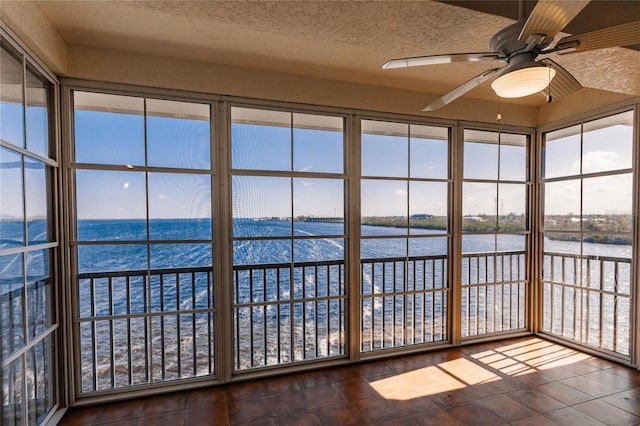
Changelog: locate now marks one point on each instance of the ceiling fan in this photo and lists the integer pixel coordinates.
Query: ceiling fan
(523, 47)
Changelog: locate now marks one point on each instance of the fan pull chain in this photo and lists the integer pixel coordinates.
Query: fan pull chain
(549, 98)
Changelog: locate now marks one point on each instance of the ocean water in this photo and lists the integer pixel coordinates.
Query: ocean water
(171, 315)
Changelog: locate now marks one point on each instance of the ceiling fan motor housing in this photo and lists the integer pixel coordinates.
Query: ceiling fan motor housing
(506, 40)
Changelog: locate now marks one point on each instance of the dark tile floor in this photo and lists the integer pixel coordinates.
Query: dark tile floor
(526, 381)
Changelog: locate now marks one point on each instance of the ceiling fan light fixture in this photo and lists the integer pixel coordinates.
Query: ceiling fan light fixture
(523, 81)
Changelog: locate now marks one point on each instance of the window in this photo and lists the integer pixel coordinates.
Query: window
(588, 222)
(289, 233)
(405, 235)
(144, 243)
(28, 246)
(495, 232)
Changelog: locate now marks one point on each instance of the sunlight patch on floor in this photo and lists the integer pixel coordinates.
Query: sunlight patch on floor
(417, 383)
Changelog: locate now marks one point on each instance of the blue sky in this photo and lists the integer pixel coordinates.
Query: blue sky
(119, 139)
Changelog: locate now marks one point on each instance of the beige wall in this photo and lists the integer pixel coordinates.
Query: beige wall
(123, 67)
(581, 103)
(32, 27)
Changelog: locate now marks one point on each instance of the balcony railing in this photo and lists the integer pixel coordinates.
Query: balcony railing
(145, 327)
(493, 292)
(588, 299)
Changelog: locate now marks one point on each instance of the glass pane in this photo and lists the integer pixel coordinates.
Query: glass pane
(11, 193)
(178, 134)
(428, 207)
(318, 206)
(479, 243)
(180, 255)
(562, 205)
(318, 143)
(11, 96)
(513, 157)
(37, 115)
(384, 149)
(112, 257)
(109, 129)
(260, 139)
(428, 246)
(511, 243)
(261, 206)
(607, 143)
(607, 203)
(479, 207)
(262, 251)
(598, 244)
(12, 395)
(36, 199)
(480, 155)
(11, 302)
(512, 207)
(318, 250)
(384, 207)
(110, 196)
(38, 292)
(40, 383)
(429, 152)
(561, 152)
(179, 206)
(562, 242)
(383, 248)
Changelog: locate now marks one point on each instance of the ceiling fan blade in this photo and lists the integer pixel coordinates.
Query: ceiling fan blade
(442, 59)
(619, 35)
(563, 83)
(462, 89)
(549, 17)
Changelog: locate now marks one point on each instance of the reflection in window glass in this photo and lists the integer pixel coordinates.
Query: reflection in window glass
(11, 96)
(11, 198)
(429, 152)
(37, 115)
(11, 301)
(260, 139)
(607, 143)
(562, 152)
(38, 292)
(318, 143)
(384, 149)
(479, 207)
(12, 375)
(178, 134)
(36, 201)
(179, 206)
(321, 202)
(109, 129)
(480, 155)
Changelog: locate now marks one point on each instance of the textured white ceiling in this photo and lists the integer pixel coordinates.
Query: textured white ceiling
(341, 40)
